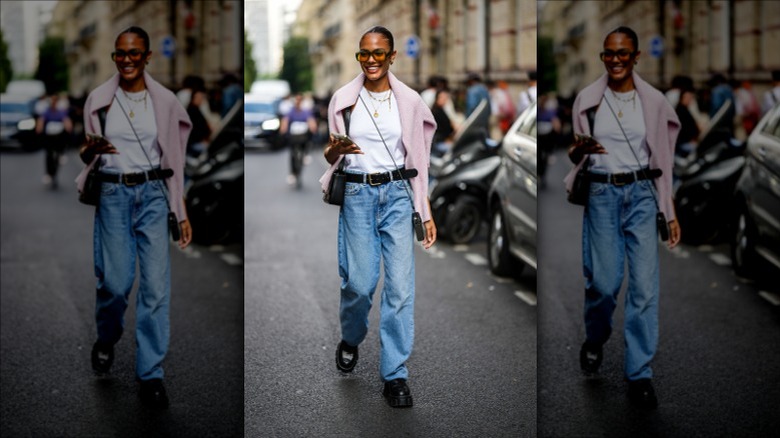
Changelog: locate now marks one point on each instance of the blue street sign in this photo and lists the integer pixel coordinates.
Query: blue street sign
(413, 46)
(656, 46)
(168, 46)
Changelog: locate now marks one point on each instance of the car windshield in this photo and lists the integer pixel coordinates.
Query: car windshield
(260, 107)
(10, 107)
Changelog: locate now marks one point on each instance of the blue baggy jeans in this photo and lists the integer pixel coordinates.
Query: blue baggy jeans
(130, 224)
(619, 227)
(375, 224)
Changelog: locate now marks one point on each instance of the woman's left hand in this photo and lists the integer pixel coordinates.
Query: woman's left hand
(430, 234)
(186, 233)
(674, 234)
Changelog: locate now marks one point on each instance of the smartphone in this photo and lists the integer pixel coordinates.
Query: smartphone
(343, 138)
(585, 138)
(97, 138)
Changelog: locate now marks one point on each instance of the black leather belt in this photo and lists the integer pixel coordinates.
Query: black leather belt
(132, 179)
(376, 179)
(621, 179)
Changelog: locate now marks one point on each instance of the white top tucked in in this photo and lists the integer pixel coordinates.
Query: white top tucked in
(131, 158)
(364, 134)
(619, 157)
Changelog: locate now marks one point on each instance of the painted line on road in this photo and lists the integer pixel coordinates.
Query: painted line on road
(679, 252)
(528, 297)
(435, 253)
(705, 248)
(720, 259)
(476, 259)
(460, 248)
(191, 252)
(769, 296)
(232, 259)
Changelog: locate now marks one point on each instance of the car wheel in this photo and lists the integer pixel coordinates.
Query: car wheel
(463, 220)
(743, 249)
(500, 261)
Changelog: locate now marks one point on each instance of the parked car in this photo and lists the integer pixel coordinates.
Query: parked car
(31, 89)
(17, 121)
(262, 122)
(756, 238)
(512, 200)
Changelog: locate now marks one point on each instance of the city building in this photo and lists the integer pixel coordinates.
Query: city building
(23, 24)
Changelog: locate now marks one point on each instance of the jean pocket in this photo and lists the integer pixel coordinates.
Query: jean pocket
(597, 188)
(352, 189)
(107, 188)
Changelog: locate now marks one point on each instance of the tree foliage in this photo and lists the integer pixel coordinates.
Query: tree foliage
(6, 71)
(296, 66)
(250, 69)
(52, 65)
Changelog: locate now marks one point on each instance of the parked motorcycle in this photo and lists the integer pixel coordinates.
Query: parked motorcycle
(215, 190)
(705, 182)
(462, 179)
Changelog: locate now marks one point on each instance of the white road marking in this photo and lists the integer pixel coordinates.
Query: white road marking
(435, 253)
(217, 248)
(772, 298)
(720, 259)
(679, 252)
(460, 248)
(232, 259)
(500, 280)
(191, 253)
(476, 259)
(528, 297)
(705, 248)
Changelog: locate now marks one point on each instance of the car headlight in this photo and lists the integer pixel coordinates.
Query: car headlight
(26, 125)
(271, 125)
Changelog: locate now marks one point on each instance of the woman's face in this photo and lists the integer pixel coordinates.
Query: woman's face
(130, 56)
(373, 69)
(619, 56)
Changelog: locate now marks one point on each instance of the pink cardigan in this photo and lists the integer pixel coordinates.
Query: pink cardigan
(662, 129)
(170, 115)
(417, 124)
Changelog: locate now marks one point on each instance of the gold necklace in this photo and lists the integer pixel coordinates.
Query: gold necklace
(625, 101)
(132, 107)
(389, 102)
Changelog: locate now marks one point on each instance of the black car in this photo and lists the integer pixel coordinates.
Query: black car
(756, 240)
(262, 122)
(512, 200)
(17, 122)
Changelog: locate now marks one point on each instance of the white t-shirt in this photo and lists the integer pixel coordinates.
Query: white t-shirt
(619, 158)
(131, 158)
(364, 134)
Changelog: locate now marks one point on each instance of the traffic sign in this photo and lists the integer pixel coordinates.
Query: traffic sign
(656, 46)
(413, 46)
(168, 46)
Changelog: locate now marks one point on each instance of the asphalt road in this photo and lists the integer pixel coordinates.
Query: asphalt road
(718, 362)
(473, 369)
(47, 305)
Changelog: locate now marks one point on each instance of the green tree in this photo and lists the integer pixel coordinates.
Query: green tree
(6, 71)
(296, 65)
(250, 70)
(52, 65)
(547, 71)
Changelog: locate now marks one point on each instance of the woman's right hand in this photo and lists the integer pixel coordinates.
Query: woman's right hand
(584, 145)
(337, 147)
(94, 146)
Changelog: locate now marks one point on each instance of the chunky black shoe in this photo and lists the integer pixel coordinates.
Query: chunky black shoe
(397, 394)
(346, 357)
(153, 393)
(102, 358)
(590, 358)
(642, 394)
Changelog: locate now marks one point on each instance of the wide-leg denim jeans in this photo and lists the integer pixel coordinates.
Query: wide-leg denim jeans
(130, 224)
(375, 224)
(619, 227)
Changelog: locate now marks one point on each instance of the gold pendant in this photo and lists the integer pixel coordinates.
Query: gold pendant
(620, 113)
(376, 114)
(132, 114)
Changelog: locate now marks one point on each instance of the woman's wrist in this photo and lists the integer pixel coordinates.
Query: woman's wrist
(86, 155)
(574, 155)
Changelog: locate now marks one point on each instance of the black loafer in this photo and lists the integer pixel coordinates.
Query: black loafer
(102, 358)
(591, 356)
(397, 394)
(642, 394)
(153, 393)
(346, 357)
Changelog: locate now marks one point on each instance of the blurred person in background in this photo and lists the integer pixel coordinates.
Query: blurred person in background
(442, 139)
(502, 109)
(548, 130)
(620, 216)
(232, 92)
(681, 83)
(527, 96)
(476, 92)
(54, 128)
(141, 158)
(720, 93)
(298, 127)
(682, 97)
(193, 96)
(435, 83)
(748, 110)
(771, 97)
(375, 225)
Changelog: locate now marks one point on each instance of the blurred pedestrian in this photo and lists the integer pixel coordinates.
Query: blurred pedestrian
(772, 97)
(679, 85)
(682, 97)
(720, 94)
(193, 96)
(298, 127)
(503, 108)
(144, 133)
(232, 92)
(548, 131)
(392, 130)
(435, 83)
(630, 155)
(476, 92)
(442, 139)
(748, 110)
(54, 127)
(528, 96)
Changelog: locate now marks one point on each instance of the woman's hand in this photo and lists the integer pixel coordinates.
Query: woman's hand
(337, 147)
(186, 233)
(430, 234)
(584, 145)
(95, 146)
(674, 234)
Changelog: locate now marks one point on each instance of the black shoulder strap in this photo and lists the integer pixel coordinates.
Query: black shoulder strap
(346, 114)
(102, 117)
(591, 114)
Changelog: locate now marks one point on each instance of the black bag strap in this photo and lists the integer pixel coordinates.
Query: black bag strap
(346, 114)
(591, 115)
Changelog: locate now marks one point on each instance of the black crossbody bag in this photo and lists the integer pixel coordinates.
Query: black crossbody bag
(90, 193)
(338, 181)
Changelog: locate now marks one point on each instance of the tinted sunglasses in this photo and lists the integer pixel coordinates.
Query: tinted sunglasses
(134, 54)
(623, 55)
(378, 54)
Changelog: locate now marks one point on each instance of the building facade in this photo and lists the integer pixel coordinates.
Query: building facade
(23, 25)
